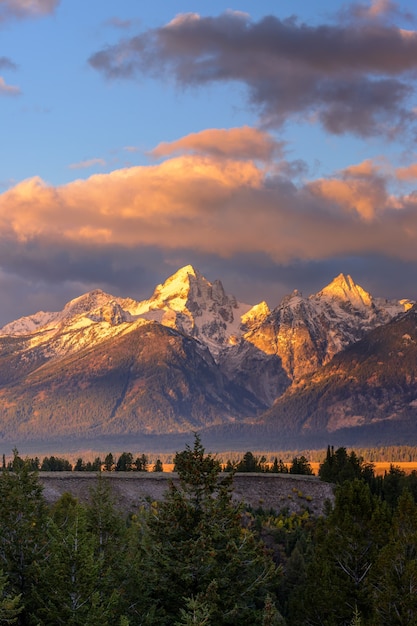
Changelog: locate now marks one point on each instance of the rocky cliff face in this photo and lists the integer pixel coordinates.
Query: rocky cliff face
(366, 393)
(305, 333)
(189, 357)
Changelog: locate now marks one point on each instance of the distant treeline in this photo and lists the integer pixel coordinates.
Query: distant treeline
(290, 461)
(126, 462)
(123, 463)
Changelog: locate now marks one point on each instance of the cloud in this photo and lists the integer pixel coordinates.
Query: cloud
(8, 90)
(86, 164)
(237, 143)
(375, 9)
(235, 218)
(209, 205)
(7, 64)
(407, 173)
(355, 76)
(360, 189)
(22, 9)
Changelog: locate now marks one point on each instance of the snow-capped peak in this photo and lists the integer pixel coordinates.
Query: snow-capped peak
(256, 315)
(177, 286)
(94, 306)
(29, 324)
(190, 303)
(344, 288)
(86, 303)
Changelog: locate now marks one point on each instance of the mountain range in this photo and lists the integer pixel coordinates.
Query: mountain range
(338, 365)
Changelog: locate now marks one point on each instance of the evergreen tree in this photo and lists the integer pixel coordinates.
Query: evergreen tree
(23, 531)
(10, 605)
(55, 464)
(395, 573)
(346, 547)
(79, 465)
(158, 467)
(125, 462)
(300, 465)
(340, 466)
(70, 589)
(108, 462)
(141, 463)
(200, 551)
(251, 463)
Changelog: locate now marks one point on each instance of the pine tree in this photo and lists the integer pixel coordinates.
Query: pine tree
(10, 605)
(158, 467)
(395, 573)
(125, 462)
(70, 589)
(346, 547)
(23, 532)
(200, 550)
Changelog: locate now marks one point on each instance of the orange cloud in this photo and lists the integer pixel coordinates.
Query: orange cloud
(359, 189)
(235, 143)
(164, 204)
(211, 206)
(407, 173)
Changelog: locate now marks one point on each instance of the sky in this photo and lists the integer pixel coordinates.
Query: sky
(270, 144)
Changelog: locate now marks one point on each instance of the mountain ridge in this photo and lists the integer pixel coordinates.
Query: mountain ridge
(191, 356)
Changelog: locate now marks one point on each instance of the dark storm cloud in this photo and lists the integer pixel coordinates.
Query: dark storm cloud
(353, 76)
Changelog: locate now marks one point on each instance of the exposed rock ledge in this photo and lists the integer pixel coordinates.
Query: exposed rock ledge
(133, 489)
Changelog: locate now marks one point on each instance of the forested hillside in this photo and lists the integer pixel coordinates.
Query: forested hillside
(198, 557)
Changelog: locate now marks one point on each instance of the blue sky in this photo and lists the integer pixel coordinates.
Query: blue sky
(270, 144)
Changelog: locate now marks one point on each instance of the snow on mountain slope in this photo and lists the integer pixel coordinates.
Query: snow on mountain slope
(300, 334)
(84, 321)
(191, 304)
(307, 332)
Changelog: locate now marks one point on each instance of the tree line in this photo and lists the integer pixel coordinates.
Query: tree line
(123, 463)
(126, 462)
(199, 557)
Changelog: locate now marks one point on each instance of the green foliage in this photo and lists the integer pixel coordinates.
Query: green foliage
(109, 462)
(55, 464)
(10, 605)
(197, 612)
(279, 467)
(346, 547)
(251, 463)
(339, 466)
(158, 467)
(200, 550)
(300, 465)
(197, 557)
(395, 573)
(23, 530)
(356, 619)
(71, 590)
(124, 462)
(141, 463)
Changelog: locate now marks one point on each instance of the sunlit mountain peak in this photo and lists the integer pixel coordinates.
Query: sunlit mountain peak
(343, 287)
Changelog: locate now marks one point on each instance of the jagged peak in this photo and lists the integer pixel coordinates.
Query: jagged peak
(178, 284)
(256, 313)
(343, 287)
(292, 298)
(86, 302)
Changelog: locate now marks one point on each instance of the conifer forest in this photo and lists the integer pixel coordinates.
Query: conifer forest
(199, 557)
